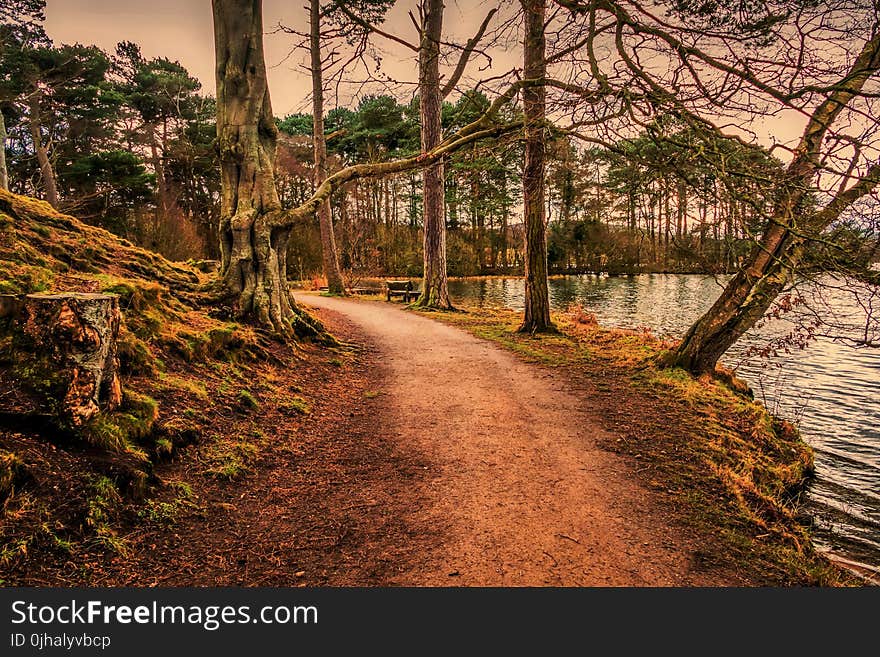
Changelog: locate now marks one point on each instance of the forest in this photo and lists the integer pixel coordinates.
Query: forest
(206, 378)
(126, 143)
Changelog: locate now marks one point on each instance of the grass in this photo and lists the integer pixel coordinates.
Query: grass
(737, 472)
(175, 383)
(231, 460)
(500, 326)
(167, 512)
(104, 505)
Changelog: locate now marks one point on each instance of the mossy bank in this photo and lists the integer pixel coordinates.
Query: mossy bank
(192, 377)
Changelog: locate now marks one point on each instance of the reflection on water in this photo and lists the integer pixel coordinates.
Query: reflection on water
(831, 389)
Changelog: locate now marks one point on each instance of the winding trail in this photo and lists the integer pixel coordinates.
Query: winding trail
(518, 491)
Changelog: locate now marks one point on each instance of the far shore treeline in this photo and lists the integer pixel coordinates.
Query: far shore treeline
(127, 143)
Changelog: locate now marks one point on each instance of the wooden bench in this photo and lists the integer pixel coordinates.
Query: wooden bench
(400, 289)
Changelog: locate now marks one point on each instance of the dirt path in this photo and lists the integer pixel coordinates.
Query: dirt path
(516, 488)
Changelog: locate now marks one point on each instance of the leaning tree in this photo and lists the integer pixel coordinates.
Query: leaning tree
(778, 253)
(723, 70)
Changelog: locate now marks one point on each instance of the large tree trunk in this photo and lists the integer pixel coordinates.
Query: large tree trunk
(325, 216)
(50, 186)
(774, 259)
(435, 292)
(253, 238)
(537, 293)
(4, 174)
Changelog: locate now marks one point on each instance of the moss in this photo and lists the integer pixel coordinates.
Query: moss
(123, 289)
(103, 432)
(146, 324)
(201, 346)
(122, 430)
(135, 357)
(224, 337)
(42, 231)
(137, 415)
(175, 383)
(295, 405)
(247, 401)
(41, 376)
(25, 279)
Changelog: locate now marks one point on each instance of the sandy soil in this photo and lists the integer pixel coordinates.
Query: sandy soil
(516, 490)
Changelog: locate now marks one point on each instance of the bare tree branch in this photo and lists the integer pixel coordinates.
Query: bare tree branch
(466, 54)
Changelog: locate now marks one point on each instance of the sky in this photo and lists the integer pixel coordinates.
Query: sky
(183, 30)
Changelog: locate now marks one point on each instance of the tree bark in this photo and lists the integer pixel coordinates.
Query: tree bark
(435, 291)
(773, 261)
(50, 185)
(66, 352)
(537, 293)
(325, 217)
(4, 173)
(253, 232)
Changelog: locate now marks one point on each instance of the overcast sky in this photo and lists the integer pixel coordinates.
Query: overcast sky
(182, 30)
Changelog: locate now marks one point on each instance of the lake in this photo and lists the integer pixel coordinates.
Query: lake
(830, 389)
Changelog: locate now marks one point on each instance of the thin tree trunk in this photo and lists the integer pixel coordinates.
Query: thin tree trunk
(4, 174)
(159, 168)
(253, 250)
(503, 242)
(537, 293)
(325, 217)
(435, 292)
(50, 185)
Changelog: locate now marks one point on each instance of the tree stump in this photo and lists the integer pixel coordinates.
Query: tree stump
(65, 352)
